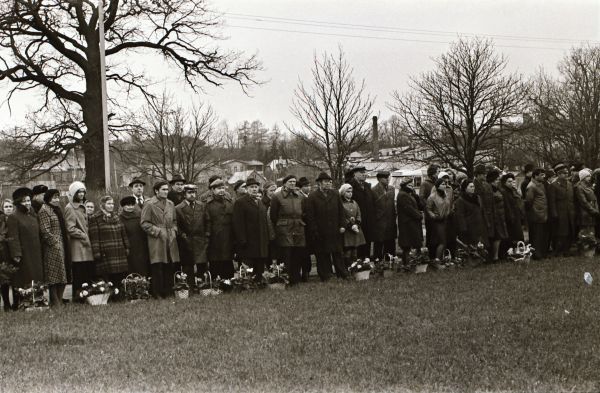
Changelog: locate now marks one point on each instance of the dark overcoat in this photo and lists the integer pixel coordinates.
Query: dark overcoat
(325, 217)
(110, 244)
(287, 209)
(486, 199)
(410, 218)
(53, 246)
(469, 219)
(24, 241)
(176, 197)
(561, 207)
(536, 203)
(4, 252)
(250, 225)
(193, 225)
(138, 259)
(500, 231)
(159, 221)
(220, 241)
(384, 223)
(363, 195)
(514, 213)
(587, 205)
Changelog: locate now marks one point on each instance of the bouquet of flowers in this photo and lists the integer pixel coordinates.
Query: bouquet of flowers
(242, 280)
(418, 261)
(521, 253)
(98, 292)
(181, 287)
(275, 277)
(469, 253)
(6, 272)
(33, 298)
(136, 287)
(387, 265)
(361, 269)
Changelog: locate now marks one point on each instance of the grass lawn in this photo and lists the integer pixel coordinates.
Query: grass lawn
(503, 327)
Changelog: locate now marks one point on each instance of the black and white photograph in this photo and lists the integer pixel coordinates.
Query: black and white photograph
(299, 196)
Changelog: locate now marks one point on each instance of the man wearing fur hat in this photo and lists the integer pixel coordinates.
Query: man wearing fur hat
(76, 221)
(536, 206)
(561, 210)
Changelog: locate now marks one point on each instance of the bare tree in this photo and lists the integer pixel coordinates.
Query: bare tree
(53, 47)
(333, 113)
(168, 140)
(566, 110)
(455, 110)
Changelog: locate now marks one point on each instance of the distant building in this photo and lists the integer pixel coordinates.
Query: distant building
(243, 175)
(232, 166)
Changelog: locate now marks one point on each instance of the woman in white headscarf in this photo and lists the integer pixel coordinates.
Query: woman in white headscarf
(353, 235)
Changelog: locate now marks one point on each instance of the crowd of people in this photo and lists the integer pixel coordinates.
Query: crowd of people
(179, 229)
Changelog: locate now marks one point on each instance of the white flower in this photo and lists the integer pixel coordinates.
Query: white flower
(101, 289)
(110, 284)
(83, 293)
(94, 285)
(227, 282)
(116, 291)
(84, 285)
(367, 260)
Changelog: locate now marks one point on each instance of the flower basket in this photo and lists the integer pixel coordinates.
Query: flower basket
(33, 298)
(136, 287)
(206, 289)
(521, 253)
(275, 279)
(98, 300)
(180, 287)
(361, 276)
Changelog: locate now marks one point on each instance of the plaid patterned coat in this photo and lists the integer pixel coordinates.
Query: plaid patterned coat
(52, 247)
(110, 245)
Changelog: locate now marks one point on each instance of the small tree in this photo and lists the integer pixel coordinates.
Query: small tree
(166, 140)
(455, 110)
(333, 113)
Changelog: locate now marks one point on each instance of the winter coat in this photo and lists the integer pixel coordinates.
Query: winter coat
(363, 195)
(587, 205)
(193, 232)
(220, 242)
(410, 227)
(384, 223)
(561, 207)
(176, 197)
(287, 209)
(250, 225)
(53, 246)
(514, 212)
(159, 221)
(110, 244)
(77, 227)
(24, 242)
(500, 231)
(352, 217)
(438, 208)
(325, 217)
(486, 197)
(536, 204)
(138, 260)
(4, 252)
(469, 219)
(425, 189)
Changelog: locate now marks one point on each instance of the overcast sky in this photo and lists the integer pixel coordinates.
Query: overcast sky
(395, 39)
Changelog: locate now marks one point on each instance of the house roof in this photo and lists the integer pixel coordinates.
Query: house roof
(247, 162)
(243, 175)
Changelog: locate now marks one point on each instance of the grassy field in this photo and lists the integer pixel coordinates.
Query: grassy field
(505, 327)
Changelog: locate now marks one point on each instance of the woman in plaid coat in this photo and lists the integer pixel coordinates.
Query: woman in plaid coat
(110, 245)
(54, 242)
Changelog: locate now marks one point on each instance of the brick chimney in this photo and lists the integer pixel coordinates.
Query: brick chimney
(375, 142)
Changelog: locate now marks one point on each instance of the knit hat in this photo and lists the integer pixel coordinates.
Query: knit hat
(344, 188)
(128, 200)
(75, 187)
(268, 185)
(48, 195)
(585, 172)
(287, 178)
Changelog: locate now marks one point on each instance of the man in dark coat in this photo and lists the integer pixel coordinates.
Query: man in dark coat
(363, 195)
(38, 197)
(138, 259)
(325, 218)
(192, 221)
(536, 206)
(424, 192)
(287, 217)
(251, 228)
(410, 218)
(486, 197)
(561, 210)
(303, 185)
(219, 208)
(137, 191)
(239, 189)
(176, 194)
(384, 223)
(527, 171)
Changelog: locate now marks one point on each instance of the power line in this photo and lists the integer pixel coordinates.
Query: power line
(351, 26)
(381, 38)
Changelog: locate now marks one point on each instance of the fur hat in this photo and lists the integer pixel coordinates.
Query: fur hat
(49, 194)
(128, 200)
(75, 187)
(20, 193)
